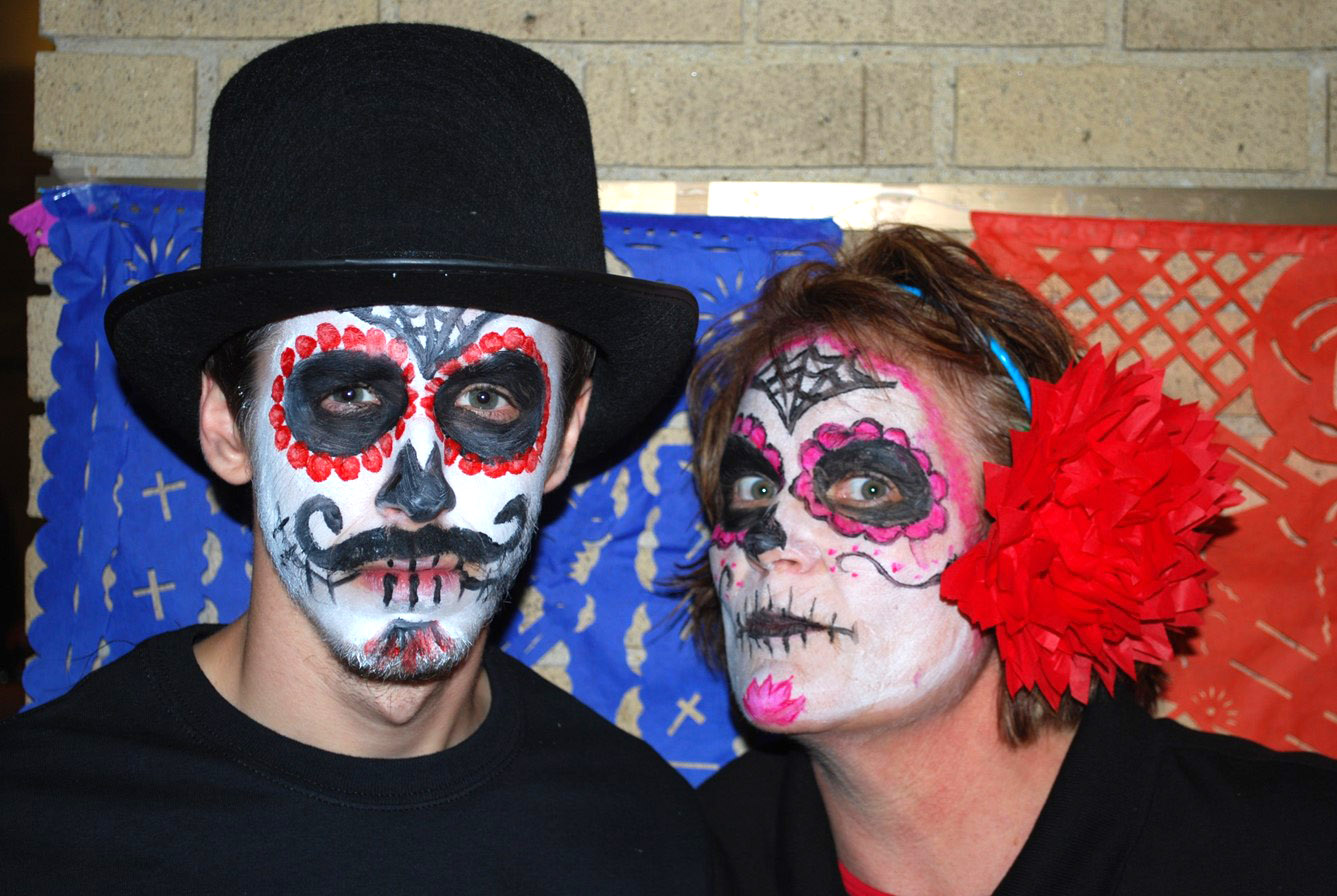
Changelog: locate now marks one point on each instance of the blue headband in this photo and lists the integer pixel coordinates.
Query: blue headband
(1013, 371)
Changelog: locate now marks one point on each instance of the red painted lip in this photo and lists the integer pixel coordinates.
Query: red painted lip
(435, 585)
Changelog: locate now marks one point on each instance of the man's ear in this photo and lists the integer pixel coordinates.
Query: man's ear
(223, 447)
(575, 420)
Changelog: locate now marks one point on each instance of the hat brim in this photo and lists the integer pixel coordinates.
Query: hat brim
(161, 331)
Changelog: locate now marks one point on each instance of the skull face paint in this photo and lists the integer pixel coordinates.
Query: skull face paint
(847, 490)
(399, 473)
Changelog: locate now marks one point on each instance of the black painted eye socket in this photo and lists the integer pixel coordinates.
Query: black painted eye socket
(341, 402)
(879, 483)
(748, 484)
(493, 408)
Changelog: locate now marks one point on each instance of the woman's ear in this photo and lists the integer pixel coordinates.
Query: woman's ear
(220, 440)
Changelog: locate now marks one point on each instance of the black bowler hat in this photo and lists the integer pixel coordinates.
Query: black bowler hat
(402, 164)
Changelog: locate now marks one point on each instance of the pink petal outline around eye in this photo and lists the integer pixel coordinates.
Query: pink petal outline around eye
(833, 436)
(773, 704)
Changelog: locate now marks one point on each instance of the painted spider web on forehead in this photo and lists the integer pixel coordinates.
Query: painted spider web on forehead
(794, 382)
(432, 333)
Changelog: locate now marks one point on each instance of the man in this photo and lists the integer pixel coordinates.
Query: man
(403, 336)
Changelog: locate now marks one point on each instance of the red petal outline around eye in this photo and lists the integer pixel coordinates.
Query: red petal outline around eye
(328, 337)
(834, 436)
(513, 339)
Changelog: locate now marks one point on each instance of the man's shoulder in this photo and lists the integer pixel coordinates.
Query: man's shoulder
(560, 723)
(114, 698)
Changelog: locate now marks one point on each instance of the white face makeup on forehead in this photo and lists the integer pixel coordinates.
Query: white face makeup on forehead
(846, 494)
(399, 471)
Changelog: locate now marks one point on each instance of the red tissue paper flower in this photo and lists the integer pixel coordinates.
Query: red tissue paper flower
(1093, 556)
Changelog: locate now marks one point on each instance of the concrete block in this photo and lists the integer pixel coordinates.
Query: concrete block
(1332, 124)
(44, 265)
(108, 104)
(43, 316)
(228, 66)
(201, 18)
(1229, 24)
(966, 22)
(1112, 116)
(725, 116)
(689, 21)
(39, 427)
(898, 114)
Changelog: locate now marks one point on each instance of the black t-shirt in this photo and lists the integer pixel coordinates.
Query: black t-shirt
(144, 777)
(1140, 807)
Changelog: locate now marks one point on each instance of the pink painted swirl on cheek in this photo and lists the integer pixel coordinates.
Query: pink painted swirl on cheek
(771, 703)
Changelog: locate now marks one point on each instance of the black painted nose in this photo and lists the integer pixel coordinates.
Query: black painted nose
(766, 535)
(422, 494)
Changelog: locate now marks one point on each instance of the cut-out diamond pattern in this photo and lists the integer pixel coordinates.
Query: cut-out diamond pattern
(1204, 343)
(1230, 267)
(1130, 316)
(1234, 314)
(1180, 267)
(1183, 316)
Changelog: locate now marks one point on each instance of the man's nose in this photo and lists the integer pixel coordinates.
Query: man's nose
(421, 494)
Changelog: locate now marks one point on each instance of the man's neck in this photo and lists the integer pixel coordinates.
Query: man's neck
(940, 807)
(272, 665)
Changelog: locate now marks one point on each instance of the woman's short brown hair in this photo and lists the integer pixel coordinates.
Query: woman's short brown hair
(861, 297)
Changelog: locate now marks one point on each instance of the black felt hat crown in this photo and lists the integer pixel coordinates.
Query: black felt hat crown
(402, 164)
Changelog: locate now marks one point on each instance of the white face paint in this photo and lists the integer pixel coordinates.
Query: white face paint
(846, 496)
(400, 462)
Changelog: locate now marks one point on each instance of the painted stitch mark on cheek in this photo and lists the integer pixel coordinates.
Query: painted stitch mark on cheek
(491, 405)
(773, 703)
(868, 480)
(336, 399)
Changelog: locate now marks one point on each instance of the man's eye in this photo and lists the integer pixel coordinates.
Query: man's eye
(350, 400)
(489, 402)
(752, 491)
(865, 491)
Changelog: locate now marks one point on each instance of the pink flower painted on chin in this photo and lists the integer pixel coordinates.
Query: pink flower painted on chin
(833, 436)
(769, 703)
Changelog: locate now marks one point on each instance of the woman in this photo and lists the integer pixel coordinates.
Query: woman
(963, 673)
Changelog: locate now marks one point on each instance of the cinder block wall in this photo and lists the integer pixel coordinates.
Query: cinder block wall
(1208, 93)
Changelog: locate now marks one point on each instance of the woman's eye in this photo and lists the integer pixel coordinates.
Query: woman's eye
(350, 399)
(752, 491)
(865, 491)
(488, 401)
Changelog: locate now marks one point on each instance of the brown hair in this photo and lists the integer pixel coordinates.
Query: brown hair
(861, 298)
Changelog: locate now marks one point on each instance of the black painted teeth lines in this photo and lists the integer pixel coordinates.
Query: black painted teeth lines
(756, 626)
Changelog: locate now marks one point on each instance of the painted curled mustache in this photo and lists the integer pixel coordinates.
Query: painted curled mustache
(392, 543)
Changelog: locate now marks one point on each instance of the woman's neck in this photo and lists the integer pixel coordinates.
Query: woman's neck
(940, 806)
